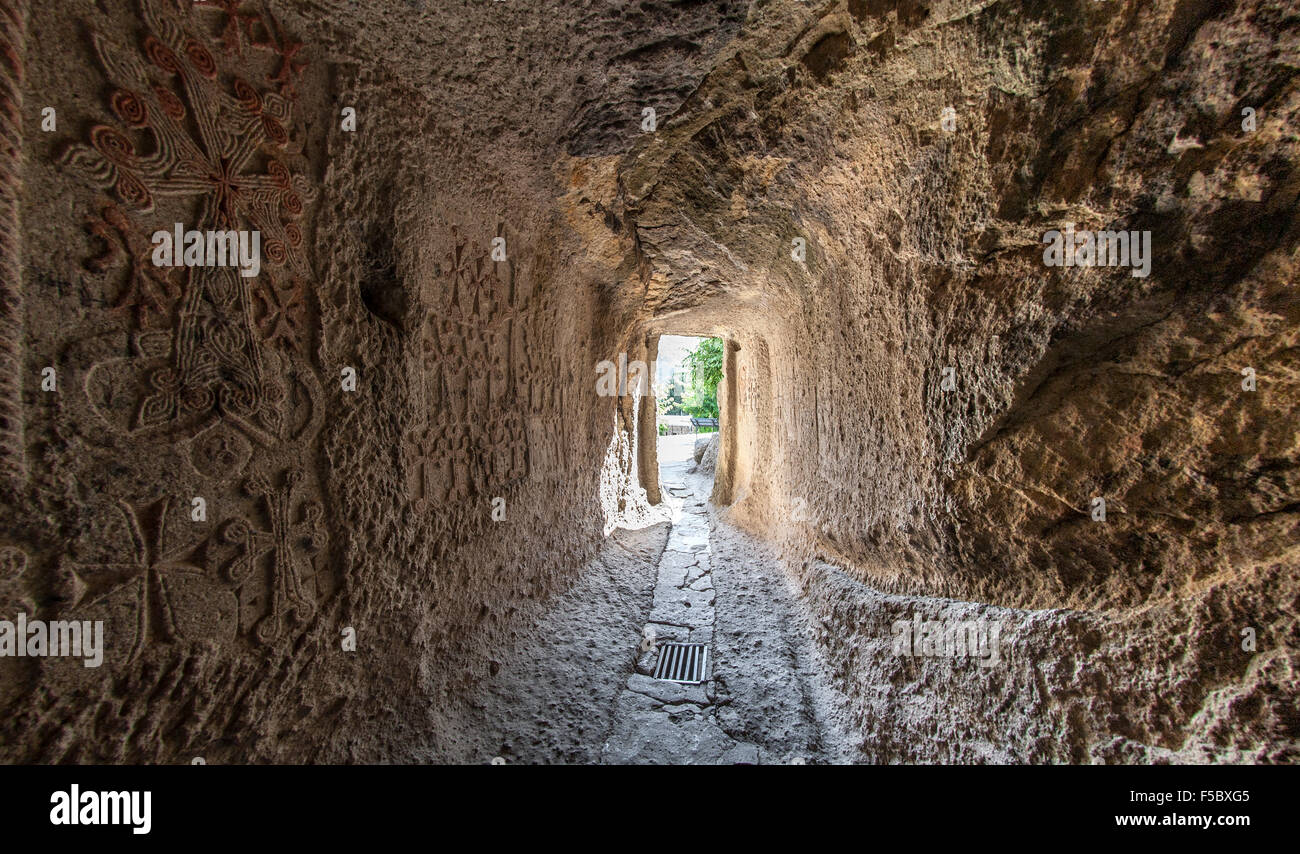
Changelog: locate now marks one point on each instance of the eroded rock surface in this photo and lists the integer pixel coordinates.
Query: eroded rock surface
(411, 487)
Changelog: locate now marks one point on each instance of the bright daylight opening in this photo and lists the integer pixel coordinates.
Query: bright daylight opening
(686, 380)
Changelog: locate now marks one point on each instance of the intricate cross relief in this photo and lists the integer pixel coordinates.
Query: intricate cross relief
(237, 22)
(445, 366)
(287, 49)
(184, 134)
(430, 473)
(283, 319)
(231, 166)
(289, 409)
(295, 536)
(216, 366)
(477, 371)
(152, 578)
(238, 30)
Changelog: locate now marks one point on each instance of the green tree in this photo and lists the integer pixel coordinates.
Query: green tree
(705, 362)
(667, 400)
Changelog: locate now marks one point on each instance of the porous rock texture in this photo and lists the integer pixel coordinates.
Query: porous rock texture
(395, 426)
(924, 253)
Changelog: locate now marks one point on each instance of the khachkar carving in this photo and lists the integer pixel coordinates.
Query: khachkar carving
(284, 550)
(110, 368)
(191, 129)
(282, 320)
(163, 585)
(245, 28)
(13, 37)
(204, 134)
(147, 293)
(165, 589)
(477, 379)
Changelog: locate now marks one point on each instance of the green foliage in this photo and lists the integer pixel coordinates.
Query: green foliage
(668, 398)
(705, 363)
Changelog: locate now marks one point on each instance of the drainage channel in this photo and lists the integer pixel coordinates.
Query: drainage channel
(666, 713)
(722, 676)
(682, 662)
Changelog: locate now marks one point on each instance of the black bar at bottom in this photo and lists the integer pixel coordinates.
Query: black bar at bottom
(255, 804)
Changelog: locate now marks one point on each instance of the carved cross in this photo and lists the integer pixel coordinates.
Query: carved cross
(285, 540)
(146, 524)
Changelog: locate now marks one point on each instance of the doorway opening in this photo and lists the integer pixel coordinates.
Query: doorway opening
(688, 414)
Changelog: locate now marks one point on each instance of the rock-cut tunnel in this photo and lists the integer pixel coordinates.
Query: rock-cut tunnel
(1007, 461)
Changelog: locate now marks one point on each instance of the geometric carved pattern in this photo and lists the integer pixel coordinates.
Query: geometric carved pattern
(477, 377)
(185, 133)
(244, 27)
(148, 292)
(152, 577)
(282, 321)
(295, 536)
(203, 133)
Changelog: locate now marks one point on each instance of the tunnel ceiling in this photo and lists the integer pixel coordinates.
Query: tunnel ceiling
(573, 80)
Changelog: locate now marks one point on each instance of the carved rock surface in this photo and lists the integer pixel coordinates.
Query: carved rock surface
(333, 510)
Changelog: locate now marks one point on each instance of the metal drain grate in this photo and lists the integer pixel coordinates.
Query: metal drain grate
(682, 662)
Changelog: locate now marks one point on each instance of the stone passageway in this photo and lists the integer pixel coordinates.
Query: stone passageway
(764, 699)
(1008, 347)
(579, 686)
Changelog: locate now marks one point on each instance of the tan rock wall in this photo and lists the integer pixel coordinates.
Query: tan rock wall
(428, 508)
(471, 472)
(923, 251)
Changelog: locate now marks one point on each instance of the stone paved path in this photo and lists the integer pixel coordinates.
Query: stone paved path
(763, 700)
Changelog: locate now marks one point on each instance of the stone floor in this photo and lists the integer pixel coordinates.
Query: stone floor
(762, 701)
(576, 689)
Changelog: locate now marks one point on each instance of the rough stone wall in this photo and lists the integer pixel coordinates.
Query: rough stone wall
(923, 251)
(429, 507)
(13, 41)
(475, 383)
(328, 508)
